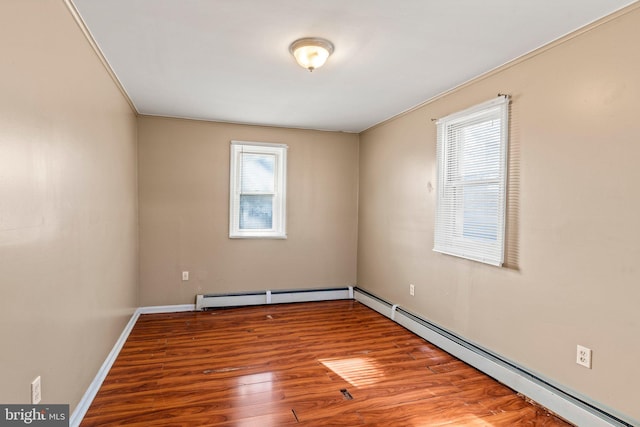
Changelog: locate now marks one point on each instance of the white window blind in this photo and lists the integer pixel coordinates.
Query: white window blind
(257, 190)
(472, 169)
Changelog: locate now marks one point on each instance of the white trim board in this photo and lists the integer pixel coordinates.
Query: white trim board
(542, 391)
(83, 406)
(266, 297)
(166, 309)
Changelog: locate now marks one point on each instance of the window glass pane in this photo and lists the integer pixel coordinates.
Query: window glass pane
(481, 212)
(256, 212)
(258, 173)
(480, 151)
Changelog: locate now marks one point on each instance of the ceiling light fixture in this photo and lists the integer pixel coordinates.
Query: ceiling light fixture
(311, 52)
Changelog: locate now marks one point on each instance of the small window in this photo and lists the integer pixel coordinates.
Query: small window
(472, 165)
(257, 190)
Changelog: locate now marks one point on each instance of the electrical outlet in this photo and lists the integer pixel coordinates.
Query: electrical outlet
(583, 356)
(185, 275)
(36, 391)
(412, 290)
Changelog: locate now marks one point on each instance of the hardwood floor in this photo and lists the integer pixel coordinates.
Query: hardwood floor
(312, 364)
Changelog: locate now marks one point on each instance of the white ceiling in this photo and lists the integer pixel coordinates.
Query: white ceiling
(228, 60)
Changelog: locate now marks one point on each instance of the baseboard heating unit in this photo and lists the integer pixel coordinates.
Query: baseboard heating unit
(272, 297)
(574, 408)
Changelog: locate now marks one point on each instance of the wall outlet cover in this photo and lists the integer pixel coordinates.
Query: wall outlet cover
(36, 391)
(583, 356)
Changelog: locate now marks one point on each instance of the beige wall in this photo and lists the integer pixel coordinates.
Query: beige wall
(68, 238)
(574, 272)
(68, 196)
(184, 212)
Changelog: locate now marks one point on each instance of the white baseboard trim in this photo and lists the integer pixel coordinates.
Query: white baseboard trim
(84, 404)
(266, 297)
(154, 309)
(542, 391)
(551, 396)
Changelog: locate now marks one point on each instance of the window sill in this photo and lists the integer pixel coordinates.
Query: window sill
(275, 237)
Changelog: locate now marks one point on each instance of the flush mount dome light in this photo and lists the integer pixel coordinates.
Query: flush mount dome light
(311, 52)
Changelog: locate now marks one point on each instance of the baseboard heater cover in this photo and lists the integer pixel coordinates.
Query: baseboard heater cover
(553, 397)
(279, 296)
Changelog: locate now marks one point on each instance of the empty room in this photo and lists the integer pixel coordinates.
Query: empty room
(297, 212)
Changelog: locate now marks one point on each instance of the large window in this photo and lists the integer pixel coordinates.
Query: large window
(257, 190)
(472, 165)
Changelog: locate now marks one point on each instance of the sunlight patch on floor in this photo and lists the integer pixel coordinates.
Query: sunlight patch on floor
(358, 371)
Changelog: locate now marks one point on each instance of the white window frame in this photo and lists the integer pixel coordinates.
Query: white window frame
(449, 237)
(278, 229)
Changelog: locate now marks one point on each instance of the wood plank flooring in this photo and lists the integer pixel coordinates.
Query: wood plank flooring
(333, 363)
